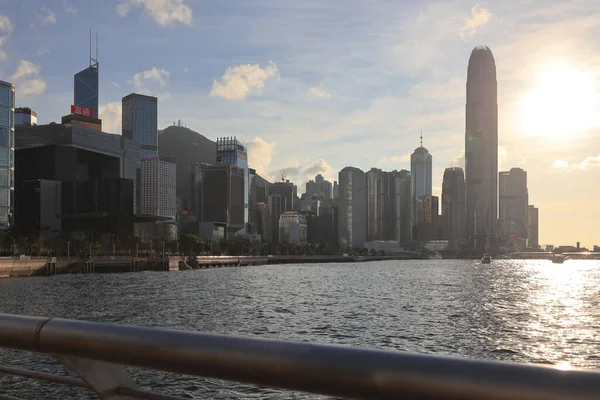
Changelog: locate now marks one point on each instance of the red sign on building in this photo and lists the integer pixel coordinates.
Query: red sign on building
(79, 110)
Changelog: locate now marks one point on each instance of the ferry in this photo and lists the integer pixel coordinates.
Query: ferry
(486, 259)
(558, 259)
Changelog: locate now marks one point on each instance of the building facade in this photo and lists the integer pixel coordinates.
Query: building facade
(453, 207)
(233, 152)
(319, 188)
(85, 88)
(157, 186)
(223, 196)
(533, 226)
(421, 172)
(286, 191)
(481, 149)
(514, 200)
(7, 154)
(139, 122)
(293, 228)
(352, 219)
(428, 228)
(25, 116)
(377, 204)
(336, 190)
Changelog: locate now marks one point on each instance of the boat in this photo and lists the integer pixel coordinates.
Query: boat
(486, 259)
(558, 259)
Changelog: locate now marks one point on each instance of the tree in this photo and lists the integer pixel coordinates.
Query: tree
(373, 252)
(189, 242)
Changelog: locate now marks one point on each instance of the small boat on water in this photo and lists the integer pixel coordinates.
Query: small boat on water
(558, 259)
(486, 259)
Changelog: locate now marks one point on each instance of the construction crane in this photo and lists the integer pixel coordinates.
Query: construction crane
(283, 175)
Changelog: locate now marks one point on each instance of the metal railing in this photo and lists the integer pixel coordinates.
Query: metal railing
(97, 352)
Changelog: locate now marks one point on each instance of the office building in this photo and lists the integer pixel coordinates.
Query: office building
(533, 226)
(421, 172)
(352, 219)
(400, 214)
(223, 196)
(453, 207)
(377, 204)
(139, 122)
(25, 116)
(233, 152)
(258, 194)
(264, 222)
(286, 191)
(7, 157)
(514, 201)
(428, 228)
(85, 121)
(319, 188)
(481, 149)
(336, 190)
(195, 191)
(95, 170)
(293, 228)
(85, 88)
(157, 186)
(275, 205)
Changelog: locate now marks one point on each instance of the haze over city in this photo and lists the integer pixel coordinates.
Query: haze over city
(314, 87)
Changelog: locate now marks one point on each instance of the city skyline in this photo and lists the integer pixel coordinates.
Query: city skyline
(364, 111)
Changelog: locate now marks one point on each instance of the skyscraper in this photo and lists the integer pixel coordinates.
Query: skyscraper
(85, 86)
(140, 122)
(233, 152)
(157, 186)
(481, 149)
(7, 154)
(453, 207)
(377, 212)
(352, 220)
(514, 200)
(420, 169)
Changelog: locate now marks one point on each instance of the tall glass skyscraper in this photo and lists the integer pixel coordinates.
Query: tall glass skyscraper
(7, 154)
(233, 152)
(420, 169)
(481, 149)
(86, 89)
(140, 122)
(352, 215)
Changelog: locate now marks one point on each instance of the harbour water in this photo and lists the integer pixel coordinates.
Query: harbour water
(526, 311)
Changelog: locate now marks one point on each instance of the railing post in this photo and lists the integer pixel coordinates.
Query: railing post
(104, 378)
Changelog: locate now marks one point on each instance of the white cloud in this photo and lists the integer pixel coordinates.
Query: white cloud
(70, 9)
(6, 29)
(115, 84)
(459, 161)
(110, 114)
(260, 155)
(395, 159)
(48, 16)
(319, 93)
(242, 80)
(41, 52)
(586, 164)
(27, 79)
(186, 70)
(164, 12)
(479, 17)
(147, 82)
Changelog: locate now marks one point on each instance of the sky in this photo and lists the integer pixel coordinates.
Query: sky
(314, 86)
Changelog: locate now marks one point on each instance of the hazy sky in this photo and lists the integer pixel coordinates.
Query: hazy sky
(314, 86)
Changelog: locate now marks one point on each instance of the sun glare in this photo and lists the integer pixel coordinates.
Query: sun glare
(563, 101)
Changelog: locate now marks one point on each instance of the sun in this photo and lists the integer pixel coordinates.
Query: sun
(564, 101)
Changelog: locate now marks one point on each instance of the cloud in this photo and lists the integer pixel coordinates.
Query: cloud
(48, 17)
(186, 70)
(27, 79)
(260, 155)
(395, 159)
(479, 17)
(164, 12)
(110, 114)
(115, 84)
(6, 29)
(459, 161)
(41, 52)
(242, 80)
(586, 164)
(147, 82)
(502, 155)
(319, 93)
(70, 9)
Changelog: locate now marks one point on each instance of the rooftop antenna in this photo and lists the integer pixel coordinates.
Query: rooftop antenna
(90, 47)
(421, 137)
(96, 48)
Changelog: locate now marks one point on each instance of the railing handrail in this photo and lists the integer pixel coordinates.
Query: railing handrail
(324, 369)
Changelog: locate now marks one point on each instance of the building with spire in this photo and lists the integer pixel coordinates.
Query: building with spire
(481, 149)
(421, 171)
(85, 85)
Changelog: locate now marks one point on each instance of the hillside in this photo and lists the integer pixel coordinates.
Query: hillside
(188, 147)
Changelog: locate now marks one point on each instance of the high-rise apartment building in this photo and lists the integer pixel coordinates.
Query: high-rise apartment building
(377, 204)
(25, 116)
(453, 207)
(140, 122)
(233, 152)
(157, 186)
(533, 226)
(352, 220)
(514, 201)
(421, 172)
(481, 149)
(7, 154)
(85, 87)
(320, 188)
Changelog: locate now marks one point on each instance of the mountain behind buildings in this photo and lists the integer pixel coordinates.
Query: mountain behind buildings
(188, 148)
